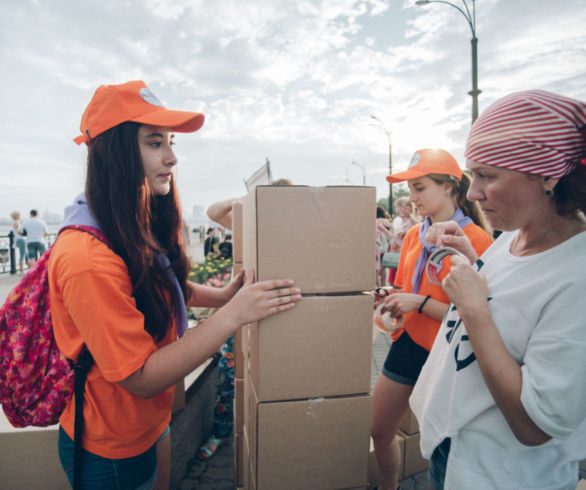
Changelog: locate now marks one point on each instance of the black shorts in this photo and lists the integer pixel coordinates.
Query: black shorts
(404, 360)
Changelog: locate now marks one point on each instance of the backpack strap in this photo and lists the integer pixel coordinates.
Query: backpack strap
(81, 368)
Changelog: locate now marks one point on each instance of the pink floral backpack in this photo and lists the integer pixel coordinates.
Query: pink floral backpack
(36, 379)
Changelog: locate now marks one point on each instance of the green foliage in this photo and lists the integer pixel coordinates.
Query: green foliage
(399, 190)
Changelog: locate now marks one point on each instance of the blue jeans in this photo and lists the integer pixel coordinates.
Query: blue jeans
(438, 464)
(97, 473)
(35, 250)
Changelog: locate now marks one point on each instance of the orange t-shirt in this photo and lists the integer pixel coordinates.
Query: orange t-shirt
(92, 303)
(421, 327)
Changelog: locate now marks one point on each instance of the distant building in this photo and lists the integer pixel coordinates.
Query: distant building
(198, 217)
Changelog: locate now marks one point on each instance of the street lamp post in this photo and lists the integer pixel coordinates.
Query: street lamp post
(388, 133)
(361, 167)
(471, 19)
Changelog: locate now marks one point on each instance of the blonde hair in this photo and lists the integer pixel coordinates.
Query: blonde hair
(15, 215)
(404, 201)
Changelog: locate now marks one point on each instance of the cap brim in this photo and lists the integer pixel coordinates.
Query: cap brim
(180, 121)
(403, 176)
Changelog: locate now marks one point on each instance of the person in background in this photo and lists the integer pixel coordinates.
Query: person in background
(19, 240)
(211, 243)
(126, 300)
(501, 401)
(438, 188)
(383, 235)
(36, 232)
(400, 226)
(225, 247)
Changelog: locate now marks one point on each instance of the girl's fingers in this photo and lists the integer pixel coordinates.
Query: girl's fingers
(276, 293)
(249, 277)
(276, 284)
(281, 300)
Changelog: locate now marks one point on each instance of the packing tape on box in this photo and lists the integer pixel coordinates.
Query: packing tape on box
(312, 404)
(434, 263)
(384, 321)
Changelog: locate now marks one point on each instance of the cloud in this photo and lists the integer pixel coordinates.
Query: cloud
(295, 81)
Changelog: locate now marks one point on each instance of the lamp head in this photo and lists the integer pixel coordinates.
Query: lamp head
(422, 2)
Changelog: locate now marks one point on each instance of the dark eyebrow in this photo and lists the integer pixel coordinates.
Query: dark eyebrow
(159, 135)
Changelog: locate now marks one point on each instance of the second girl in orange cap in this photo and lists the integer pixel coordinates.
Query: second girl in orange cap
(438, 189)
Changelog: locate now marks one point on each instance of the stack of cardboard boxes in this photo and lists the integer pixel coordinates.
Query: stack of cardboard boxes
(304, 401)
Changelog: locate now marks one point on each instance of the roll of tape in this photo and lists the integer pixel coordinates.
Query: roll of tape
(384, 321)
(434, 262)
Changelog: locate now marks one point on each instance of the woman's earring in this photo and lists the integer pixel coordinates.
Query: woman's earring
(548, 192)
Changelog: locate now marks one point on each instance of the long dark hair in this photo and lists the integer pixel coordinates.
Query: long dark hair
(459, 191)
(138, 224)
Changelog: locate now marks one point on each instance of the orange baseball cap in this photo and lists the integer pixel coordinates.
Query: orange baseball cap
(428, 161)
(131, 101)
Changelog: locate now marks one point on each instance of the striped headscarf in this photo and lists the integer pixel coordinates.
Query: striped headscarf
(533, 131)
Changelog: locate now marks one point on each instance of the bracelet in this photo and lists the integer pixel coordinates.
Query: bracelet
(420, 310)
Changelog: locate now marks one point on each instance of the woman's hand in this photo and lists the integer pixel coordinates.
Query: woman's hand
(255, 301)
(465, 287)
(449, 234)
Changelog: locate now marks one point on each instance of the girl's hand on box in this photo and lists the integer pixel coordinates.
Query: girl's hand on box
(233, 286)
(255, 301)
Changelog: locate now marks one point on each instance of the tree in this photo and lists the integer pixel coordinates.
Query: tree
(399, 190)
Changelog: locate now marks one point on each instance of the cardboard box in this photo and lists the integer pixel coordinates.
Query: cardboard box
(310, 444)
(30, 460)
(322, 347)
(236, 268)
(238, 405)
(413, 462)
(237, 232)
(409, 423)
(241, 460)
(239, 360)
(322, 237)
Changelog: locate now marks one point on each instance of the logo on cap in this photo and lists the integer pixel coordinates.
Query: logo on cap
(149, 97)
(414, 160)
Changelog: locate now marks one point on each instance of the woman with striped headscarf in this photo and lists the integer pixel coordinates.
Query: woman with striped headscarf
(501, 401)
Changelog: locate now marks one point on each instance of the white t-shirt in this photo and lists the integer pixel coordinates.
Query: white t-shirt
(537, 303)
(35, 229)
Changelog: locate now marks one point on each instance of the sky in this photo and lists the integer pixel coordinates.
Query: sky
(294, 81)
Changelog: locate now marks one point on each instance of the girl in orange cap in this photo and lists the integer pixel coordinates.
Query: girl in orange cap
(125, 301)
(438, 189)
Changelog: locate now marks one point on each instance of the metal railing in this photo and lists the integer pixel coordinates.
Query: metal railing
(8, 262)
